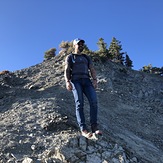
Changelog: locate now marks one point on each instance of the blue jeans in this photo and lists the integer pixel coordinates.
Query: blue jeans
(81, 87)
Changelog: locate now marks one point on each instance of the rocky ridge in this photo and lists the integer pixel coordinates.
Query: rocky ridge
(38, 124)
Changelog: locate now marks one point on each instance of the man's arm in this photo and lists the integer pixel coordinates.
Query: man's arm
(93, 75)
(67, 75)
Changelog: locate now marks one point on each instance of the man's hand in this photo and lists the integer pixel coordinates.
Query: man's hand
(69, 86)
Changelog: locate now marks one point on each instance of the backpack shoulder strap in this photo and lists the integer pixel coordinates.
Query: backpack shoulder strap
(88, 59)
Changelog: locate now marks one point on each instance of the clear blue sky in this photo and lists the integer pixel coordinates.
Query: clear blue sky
(28, 28)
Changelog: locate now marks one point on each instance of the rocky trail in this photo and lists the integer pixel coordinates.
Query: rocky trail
(38, 123)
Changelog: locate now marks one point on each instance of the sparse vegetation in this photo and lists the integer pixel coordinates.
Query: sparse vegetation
(152, 70)
(104, 53)
(50, 53)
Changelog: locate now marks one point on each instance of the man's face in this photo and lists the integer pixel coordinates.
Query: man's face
(80, 46)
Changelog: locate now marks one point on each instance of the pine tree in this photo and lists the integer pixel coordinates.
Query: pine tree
(114, 51)
(128, 62)
(103, 51)
(155, 70)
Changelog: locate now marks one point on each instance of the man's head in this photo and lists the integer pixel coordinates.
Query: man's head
(78, 45)
(78, 40)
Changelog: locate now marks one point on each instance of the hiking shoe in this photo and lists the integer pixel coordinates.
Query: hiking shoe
(86, 134)
(95, 130)
(98, 132)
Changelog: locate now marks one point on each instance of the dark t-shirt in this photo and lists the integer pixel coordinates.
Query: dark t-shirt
(79, 66)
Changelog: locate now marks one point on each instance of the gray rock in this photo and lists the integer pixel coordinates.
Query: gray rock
(38, 124)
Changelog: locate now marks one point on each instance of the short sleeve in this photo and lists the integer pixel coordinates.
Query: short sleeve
(89, 61)
(67, 60)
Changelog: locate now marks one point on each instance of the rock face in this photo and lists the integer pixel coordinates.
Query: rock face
(38, 123)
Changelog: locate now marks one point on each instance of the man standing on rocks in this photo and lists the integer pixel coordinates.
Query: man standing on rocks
(77, 68)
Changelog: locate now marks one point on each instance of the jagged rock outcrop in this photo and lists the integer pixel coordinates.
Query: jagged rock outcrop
(38, 124)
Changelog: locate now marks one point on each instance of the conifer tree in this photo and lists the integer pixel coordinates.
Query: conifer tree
(128, 62)
(103, 51)
(114, 50)
(155, 70)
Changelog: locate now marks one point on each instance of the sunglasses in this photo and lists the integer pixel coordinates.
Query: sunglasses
(80, 44)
